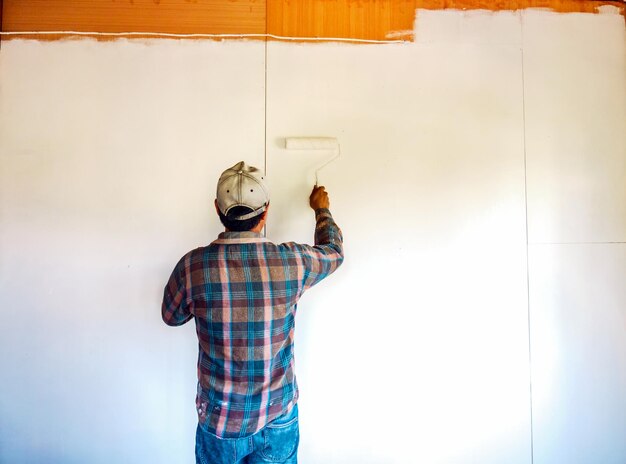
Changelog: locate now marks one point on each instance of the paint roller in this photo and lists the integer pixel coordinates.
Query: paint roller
(330, 144)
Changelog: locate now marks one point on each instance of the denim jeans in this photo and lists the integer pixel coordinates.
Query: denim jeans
(277, 442)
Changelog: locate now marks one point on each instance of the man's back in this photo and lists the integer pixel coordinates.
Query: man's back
(243, 290)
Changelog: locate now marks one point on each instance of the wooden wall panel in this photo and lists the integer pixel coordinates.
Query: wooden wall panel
(168, 16)
(356, 19)
(360, 19)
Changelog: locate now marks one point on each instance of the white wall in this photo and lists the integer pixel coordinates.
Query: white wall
(423, 333)
(110, 153)
(575, 98)
(453, 147)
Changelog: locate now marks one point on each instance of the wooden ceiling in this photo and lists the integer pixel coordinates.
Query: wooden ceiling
(350, 19)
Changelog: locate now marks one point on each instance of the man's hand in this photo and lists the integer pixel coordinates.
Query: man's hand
(319, 198)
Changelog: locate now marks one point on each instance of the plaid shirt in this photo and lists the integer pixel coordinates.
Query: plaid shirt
(242, 291)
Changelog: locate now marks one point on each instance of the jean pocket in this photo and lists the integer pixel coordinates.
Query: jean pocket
(281, 437)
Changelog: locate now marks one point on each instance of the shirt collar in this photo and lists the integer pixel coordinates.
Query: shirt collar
(226, 238)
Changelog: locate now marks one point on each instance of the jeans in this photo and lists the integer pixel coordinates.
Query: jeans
(277, 442)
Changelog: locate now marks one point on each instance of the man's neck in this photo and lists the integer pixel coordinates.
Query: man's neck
(258, 229)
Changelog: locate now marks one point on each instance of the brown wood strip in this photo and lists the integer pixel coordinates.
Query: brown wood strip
(356, 19)
(168, 16)
(1, 23)
(349, 19)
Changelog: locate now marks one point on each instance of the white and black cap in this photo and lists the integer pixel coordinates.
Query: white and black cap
(242, 185)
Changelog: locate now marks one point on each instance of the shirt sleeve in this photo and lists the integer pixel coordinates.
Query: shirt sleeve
(326, 256)
(175, 309)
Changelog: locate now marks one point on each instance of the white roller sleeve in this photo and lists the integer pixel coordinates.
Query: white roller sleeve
(311, 143)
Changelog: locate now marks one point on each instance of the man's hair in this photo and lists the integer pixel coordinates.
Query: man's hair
(239, 225)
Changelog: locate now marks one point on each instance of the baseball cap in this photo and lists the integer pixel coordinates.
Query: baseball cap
(242, 185)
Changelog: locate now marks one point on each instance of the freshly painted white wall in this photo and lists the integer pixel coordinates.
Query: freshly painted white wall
(578, 300)
(575, 97)
(110, 152)
(457, 150)
(417, 350)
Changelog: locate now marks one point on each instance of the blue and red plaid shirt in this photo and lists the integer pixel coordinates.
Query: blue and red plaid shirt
(242, 291)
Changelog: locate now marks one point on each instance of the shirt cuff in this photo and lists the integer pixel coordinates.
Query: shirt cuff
(322, 212)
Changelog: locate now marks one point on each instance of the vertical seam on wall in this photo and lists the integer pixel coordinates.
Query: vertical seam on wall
(265, 95)
(530, 372)
(264, 105)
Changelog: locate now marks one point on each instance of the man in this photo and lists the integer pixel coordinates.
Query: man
(242, 292)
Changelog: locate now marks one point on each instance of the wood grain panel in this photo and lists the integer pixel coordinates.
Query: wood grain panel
(349, 19)
(168, 16)
(356, 19)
